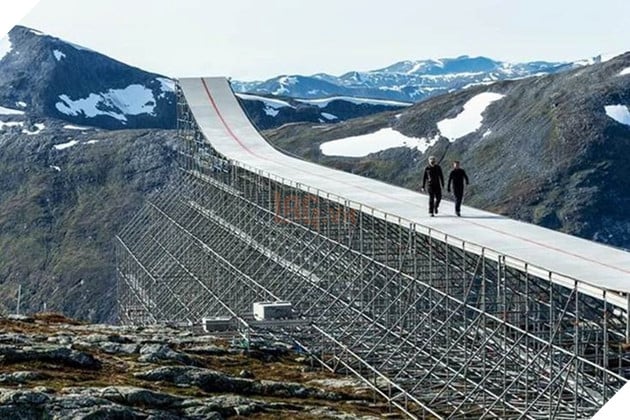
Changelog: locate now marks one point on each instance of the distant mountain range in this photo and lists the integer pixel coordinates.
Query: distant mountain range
(406, 81)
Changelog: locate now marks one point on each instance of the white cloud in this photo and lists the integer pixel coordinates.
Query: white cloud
(383, 139)
(470, 119)
(618, 113)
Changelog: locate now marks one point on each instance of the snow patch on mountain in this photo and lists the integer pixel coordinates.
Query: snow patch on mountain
(271, 105)
(328, 116)
(415, 68)
(63, 146)
(323, 102)
(623, 72)
(383, 139)
(269, 102)
(618, 113)
(58, 55)
(132, 100)
(285, 83)
(8, 111)
(470, 119)
(167, 86)
(271, 111)
(10, 124)
(75, 127)
(38, 129)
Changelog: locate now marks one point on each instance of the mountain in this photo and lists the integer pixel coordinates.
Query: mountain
(273, 111)
(550, 149)
(406, 81)
(45, 76)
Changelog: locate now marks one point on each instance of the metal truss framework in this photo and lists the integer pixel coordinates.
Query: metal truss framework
(439, 327)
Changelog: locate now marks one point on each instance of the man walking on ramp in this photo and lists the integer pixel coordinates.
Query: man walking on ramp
(457, 178)
(435, 180)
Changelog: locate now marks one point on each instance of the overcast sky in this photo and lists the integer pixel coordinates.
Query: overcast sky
(259, 39)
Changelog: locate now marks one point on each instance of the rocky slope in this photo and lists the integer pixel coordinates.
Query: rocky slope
(54, 368)
(65, 193)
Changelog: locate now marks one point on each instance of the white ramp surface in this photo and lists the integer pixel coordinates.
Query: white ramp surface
(220, 117)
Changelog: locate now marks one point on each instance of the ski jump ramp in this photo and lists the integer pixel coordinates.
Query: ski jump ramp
(477, 316)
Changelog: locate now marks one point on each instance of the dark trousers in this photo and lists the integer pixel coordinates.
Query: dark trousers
(435, 196)
(459, 196)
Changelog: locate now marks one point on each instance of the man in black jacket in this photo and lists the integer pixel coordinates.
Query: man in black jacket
(434, 179)
(457, 178)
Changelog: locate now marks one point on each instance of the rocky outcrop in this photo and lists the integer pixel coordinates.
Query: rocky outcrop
(159, 372)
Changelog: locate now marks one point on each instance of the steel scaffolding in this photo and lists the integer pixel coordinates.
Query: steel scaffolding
(439, 327)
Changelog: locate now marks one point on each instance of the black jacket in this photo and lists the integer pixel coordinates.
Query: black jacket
(433, 176)
(457, 178)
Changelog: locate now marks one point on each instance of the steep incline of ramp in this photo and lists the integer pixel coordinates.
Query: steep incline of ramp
(224, 123)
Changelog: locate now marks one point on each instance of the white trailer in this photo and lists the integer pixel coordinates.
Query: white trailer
(272, 310)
